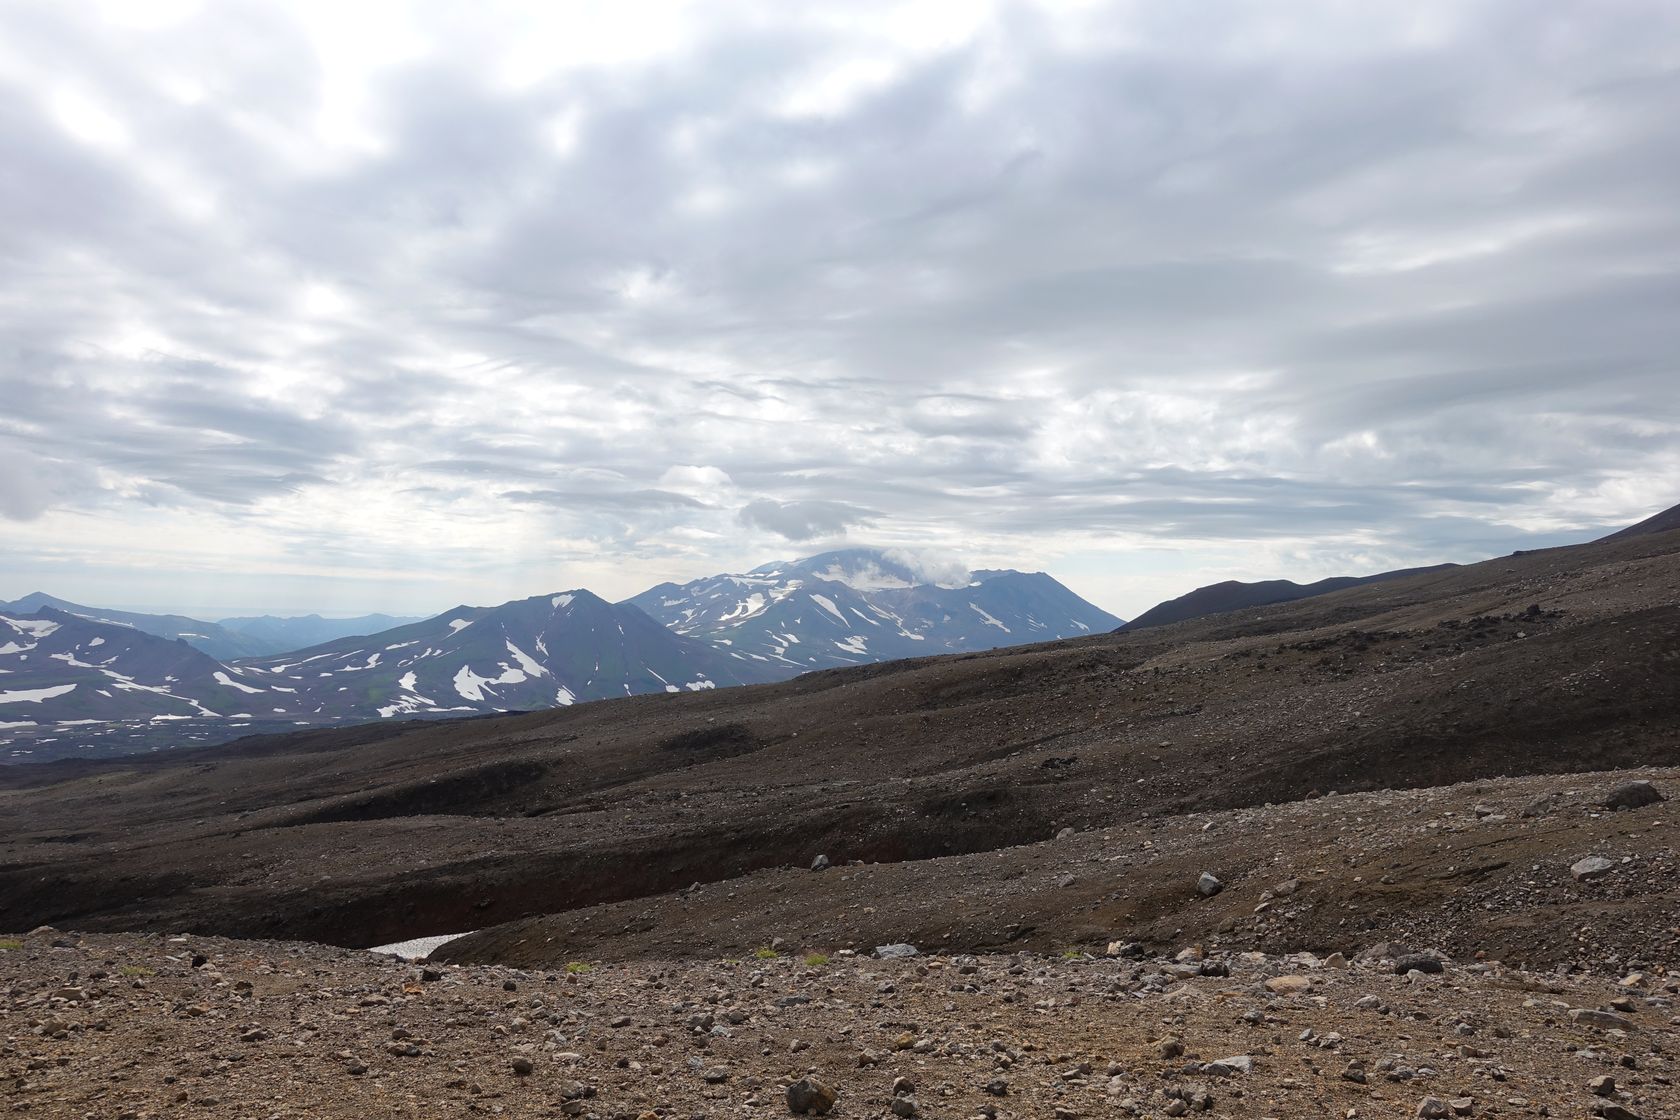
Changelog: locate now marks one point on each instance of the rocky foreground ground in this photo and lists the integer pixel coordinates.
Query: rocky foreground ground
(149, 1026)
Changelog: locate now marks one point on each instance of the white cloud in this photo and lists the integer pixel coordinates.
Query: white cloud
(510, 298)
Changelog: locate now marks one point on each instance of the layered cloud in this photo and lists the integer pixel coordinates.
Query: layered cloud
(438, 304)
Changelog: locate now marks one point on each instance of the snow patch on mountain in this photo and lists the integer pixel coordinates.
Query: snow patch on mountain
(471, 686)
(35, 695)
(526, 662)
(827, 604)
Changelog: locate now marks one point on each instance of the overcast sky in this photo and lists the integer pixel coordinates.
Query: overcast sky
(361, 306)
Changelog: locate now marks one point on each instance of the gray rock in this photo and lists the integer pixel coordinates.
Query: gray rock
(819, 863)
(1207, 885)
(808, 1095)
(522, 1067)
(1609, 1110)
(1433, 1108)
(1229, 1067)
(904, 1107)
(1607, 1020)
(893, 952)
(1542, 806)
(1633, 795)
(1603, 1086)
(1593, 867)
(716, 1075)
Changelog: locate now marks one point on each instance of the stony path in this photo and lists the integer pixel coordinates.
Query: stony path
(139, 1026)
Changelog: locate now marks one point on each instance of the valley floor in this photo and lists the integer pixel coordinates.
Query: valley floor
(151, 1026)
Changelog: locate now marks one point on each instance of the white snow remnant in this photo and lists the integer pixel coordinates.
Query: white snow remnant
(35, 695)
(990, 621)
(231, 683)
(39, 627)
(417, 947)
(471, 686)
(531, 667)
(827, 604)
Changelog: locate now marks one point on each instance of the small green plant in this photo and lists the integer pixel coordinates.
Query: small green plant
(578, 968)
(766, 953)
(816, 960)
(1072, 954)
(136, 970)
(10, 943)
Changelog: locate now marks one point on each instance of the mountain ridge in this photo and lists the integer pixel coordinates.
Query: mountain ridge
(208, 637)
(857, 606)
(283, 633)
(1232, 595)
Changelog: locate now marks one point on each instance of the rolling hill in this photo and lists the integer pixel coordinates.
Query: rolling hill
(1233, 595)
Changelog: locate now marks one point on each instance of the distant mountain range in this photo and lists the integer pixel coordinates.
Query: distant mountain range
(861, 605)
(66, 669)
(542, 652)
(75, 679)
(219, 642)
(281, 634)
(227, 640)
(1232, 595)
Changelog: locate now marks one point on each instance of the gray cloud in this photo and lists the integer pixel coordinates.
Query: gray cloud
(1039, 284)
(804, 520)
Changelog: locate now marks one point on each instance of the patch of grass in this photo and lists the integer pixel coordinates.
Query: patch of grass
(136, 970)
(816, 960)
(1072, 954)
(578, 968)
(10, 943)
(765, 953)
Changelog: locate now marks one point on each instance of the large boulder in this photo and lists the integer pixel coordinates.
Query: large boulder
(1633, 795)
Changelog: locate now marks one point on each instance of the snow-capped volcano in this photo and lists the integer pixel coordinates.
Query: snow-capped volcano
(541, 652)
(861, 605)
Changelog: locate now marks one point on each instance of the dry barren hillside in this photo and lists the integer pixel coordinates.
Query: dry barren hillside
(1550, 662)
